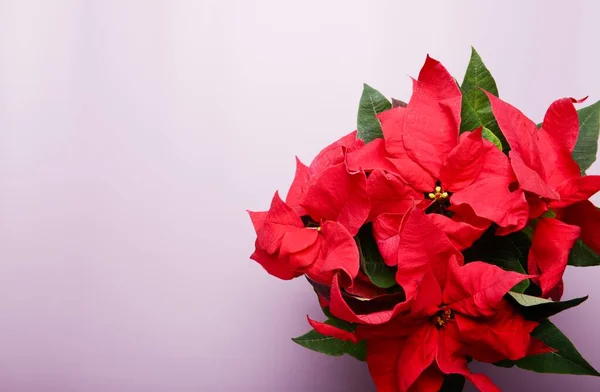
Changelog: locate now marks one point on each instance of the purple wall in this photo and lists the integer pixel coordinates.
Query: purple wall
(133, 135)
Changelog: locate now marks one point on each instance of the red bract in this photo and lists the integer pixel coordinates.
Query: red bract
(465, 316)
(287, 249)
(327, 190)
(543, 163)
(467, 175)
(334, 204)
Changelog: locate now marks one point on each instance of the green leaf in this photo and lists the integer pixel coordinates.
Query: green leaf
(476, 108)
(549, 214)
(327, 312)
(453, 383)
(587, 142)
(566, 360)
(582, 256)
(535, 308)
(489, 135)
(372, 102)
(318, 342)
(371, 261)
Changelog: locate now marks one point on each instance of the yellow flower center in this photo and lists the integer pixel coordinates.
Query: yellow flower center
(442, 318)
(438, 194)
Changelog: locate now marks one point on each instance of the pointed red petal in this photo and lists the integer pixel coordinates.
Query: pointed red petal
(382, 360)
(296, 241)
(280, 219)
(258, 219)
(417, 354)
(495, 163)
(575, 190)
(423, 248)
(294, 195)
(551, 243)
(386, 230)
(274, 265)
(389, 194)
(330, 330)
(305, 257)
(504, 336)
(400, 326)
(392, 124)
(339, 196)
(432, 117)
(430, 380)
(464, 228)
(492, 199)
(334, 154)
(537, 206)
(558, 162)
(587, 216)
(464, 162)
(338, 253)
(370, 157)
(451, 360)
(477, 288)
(428, 299)
(520, 133)
(529, 179)
(562, 123)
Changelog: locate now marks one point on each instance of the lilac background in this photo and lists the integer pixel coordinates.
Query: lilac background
(134, 134)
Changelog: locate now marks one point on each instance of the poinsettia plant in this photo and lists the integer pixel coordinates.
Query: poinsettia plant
(438, 233)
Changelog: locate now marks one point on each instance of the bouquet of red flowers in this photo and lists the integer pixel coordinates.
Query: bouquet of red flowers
(438, 233)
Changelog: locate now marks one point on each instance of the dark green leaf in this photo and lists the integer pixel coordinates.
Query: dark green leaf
(476, 108)
(453, 383)
(327, 312)
(372, 102)
(587, 142)
(316, 341)
(371, 261)
(535, 308)
(489, 135)
(582, 256)
(566, 360)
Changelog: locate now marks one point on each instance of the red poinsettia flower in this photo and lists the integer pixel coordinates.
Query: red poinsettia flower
(287, 249)
(463, 315)
(466, 175)
(313, 232)
(544, 166)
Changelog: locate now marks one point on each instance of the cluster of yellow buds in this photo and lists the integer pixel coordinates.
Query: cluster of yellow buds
(438, 194)
(443, 318)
